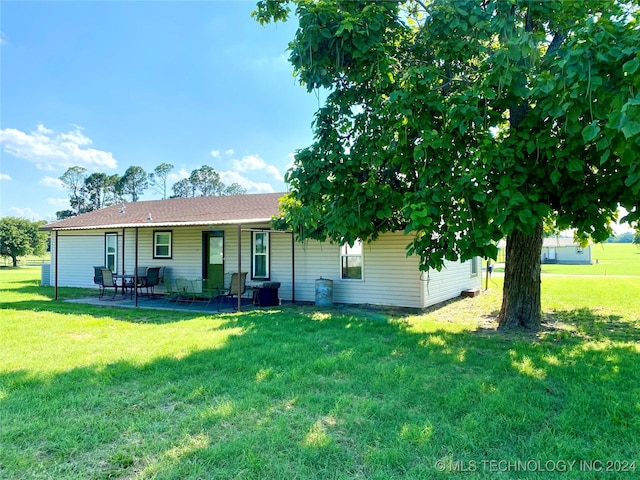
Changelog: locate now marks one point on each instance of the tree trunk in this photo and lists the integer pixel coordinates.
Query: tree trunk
(521, 291)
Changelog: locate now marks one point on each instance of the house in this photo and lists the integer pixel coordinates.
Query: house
(558, 250)
(564, 250)
(212, 237)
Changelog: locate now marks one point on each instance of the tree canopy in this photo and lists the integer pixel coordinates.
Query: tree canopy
(88, 192)
(463, 122)
(20, 237)
(205, 182)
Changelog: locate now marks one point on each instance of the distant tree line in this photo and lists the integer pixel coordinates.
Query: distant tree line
(88, 192)
(20, 237)
(626, 237)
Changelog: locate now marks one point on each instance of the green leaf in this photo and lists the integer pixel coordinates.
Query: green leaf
(631, 66)
(630, 129)
(603, 143)
(555, 177)
(590, 132)
(480, 197)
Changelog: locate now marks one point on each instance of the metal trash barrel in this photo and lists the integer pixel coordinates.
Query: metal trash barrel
(324, 292)
(268, 294)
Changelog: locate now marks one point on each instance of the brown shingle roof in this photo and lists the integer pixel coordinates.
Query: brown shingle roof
(176, 212)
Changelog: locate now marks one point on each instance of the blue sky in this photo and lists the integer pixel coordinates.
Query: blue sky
(108, 85)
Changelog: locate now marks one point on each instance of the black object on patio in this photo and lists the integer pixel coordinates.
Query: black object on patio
(267, 294)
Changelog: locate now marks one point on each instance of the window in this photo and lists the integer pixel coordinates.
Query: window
(351, 260)
(474, 266)
(162, 244)
(111, 251)
(260, 255)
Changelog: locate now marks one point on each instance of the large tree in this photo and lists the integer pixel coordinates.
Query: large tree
(101, 190)
(463, 122)
(205, 182)
(74, 180)
(133, 183)
(159, 178)
(20, 237)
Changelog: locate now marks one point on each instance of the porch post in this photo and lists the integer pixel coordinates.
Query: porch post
(55, 273)
(293, 269)
(239, 264)
(135, 269)
(123, 252)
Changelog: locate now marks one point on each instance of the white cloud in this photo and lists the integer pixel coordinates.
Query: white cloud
(59, 202)
(52, 182)
(51, 151)
(252, 187)
(215, 153)
(274, 63)
(292, 159)
(25, 213)
(4, 176)
(175, 177)
(3, 39)
(255, 162)
(229, 152)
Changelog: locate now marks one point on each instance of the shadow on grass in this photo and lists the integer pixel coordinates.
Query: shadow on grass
(308, 393)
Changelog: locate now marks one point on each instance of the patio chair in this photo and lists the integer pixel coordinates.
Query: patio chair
(150, 280)
(108, 282)
(236, 289)
(210, 291)
(97, 278)
(185, 290)
(170, 293)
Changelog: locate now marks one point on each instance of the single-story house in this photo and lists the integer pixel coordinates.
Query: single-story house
(559, 250)
(213, 237)
(564, 250)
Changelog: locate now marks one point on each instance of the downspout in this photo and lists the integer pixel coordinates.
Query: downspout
(293, 269)
(123, 253)
(135, 270)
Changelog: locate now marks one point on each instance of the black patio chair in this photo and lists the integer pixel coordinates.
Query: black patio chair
(97, 278)
(150, 280)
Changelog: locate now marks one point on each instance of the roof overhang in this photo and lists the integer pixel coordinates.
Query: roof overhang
(162, 224)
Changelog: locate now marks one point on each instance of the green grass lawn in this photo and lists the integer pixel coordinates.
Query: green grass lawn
(303, 393)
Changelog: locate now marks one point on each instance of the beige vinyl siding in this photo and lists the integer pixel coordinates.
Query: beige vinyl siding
(78, 253)
(280, 251)
(450, 281)
(389, 276)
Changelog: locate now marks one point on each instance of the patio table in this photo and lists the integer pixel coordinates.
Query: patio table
(127, 282)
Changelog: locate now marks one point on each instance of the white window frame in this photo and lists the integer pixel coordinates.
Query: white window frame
(474, 267)
(347, 252)
(111, 240)
(265, 254)
(156, 244)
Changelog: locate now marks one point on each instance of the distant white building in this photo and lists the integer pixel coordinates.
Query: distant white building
(564, 250)
(558, 250)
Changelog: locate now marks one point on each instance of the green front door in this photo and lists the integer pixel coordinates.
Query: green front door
(214, 258)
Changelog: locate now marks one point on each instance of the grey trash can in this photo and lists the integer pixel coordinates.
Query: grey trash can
(324, 292)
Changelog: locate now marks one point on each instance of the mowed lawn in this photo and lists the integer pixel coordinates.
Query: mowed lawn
(298, 392)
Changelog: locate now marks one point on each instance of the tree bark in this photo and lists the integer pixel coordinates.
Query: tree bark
(521, 306)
